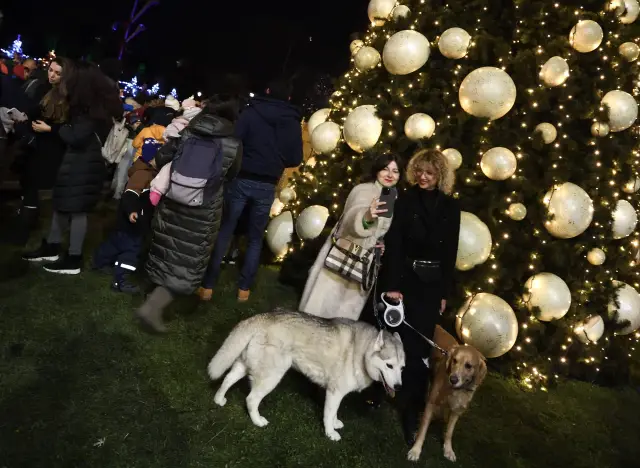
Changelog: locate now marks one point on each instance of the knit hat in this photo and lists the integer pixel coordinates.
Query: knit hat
(188, 103)
(172, 102)
(190, 112)
(150, 148)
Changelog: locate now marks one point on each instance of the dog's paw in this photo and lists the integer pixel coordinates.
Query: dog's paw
(333, 435)
(220, 400)
(413, 455)
(260, 421)
(449, 454)
(338, 424)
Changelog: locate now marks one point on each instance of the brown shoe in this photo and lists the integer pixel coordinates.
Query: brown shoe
(204, 294)
(243, 296)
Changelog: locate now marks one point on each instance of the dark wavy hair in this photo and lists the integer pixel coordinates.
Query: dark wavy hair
(54, 104)
(91, 93)
(380, 162)
(224, 106)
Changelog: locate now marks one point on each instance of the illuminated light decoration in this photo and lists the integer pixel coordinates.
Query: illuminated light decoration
(131, 22)
(174, 93)
(155, 89)
(15, 48)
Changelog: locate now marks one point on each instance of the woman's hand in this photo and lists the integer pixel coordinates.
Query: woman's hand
(395, 295)
(443, 306)
(380, 245)
(374, 210)
(40, 127)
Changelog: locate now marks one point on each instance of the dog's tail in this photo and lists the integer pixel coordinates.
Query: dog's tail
(232, 347)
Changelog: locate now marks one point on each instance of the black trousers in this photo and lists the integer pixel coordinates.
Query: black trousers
(120, 251)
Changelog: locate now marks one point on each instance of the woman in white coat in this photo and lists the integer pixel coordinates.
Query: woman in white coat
(327, 294)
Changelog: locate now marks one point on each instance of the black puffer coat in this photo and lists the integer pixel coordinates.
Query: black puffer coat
(83, 170)
(183, 236)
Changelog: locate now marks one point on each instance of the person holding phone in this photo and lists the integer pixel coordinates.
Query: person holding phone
(365, 220)
(422, 246)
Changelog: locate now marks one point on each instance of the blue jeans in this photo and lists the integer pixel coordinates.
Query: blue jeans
(240, 193)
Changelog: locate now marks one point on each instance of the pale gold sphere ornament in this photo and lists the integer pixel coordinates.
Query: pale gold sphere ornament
(379, 11)
(454, 43)
(571, 208)
(355, 46)
(311, 222)
(454, 157)
(589, 330)
(498, 163)
(630, 51)
(630, 11)
(596, 256)
(586, 36)
(554, 72)
(287, 195)
(419, 126)
(600, 129)
(487, 322)
(623, 109)
(517, 211)
(474, 242)
(405, 52)
(279, 233)
(548, 132)
(367, 58)
(549, 293)
(325, 137)
(632, 186)
(401, 11)
(487, 92)
(628, 308)
(625, 219)
(362, 128)
(318, 117)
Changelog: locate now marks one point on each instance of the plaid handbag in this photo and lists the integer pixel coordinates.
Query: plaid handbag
(349, 259)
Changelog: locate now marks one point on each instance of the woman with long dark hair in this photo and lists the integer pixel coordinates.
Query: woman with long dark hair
(93, 104)
(328, 294)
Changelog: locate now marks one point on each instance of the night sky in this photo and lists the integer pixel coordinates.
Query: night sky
(192, 43)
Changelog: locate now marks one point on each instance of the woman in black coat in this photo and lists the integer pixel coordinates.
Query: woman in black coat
(93, 104)
(183, 236)
(421, 249)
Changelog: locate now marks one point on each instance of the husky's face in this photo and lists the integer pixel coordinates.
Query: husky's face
(385, 361)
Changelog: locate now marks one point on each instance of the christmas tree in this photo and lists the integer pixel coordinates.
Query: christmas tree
(532, 102)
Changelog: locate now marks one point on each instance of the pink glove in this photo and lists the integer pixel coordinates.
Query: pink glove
(155, 197)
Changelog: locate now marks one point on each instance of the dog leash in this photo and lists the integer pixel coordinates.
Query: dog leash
(443, 351)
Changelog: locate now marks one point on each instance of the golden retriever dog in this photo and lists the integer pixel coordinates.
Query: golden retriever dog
(456, 377)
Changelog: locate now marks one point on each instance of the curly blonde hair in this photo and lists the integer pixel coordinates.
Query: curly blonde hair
(446, 174)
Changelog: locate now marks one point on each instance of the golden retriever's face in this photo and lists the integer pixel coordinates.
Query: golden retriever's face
(466, 367)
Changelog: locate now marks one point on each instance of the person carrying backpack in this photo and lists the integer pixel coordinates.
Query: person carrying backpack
(187, 218)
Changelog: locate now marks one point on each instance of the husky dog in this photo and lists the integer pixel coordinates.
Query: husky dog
(340, 355)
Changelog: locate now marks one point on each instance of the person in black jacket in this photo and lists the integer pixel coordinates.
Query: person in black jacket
(93, 104)
(272, 141)
(183, 235)
(421, 249)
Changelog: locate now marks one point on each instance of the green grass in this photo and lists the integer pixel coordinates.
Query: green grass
(75, 369)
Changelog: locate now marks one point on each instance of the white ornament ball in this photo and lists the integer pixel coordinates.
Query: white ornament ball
(631, 11)
(405, 52)
(487, 92)
(276, 208)
(325, 137)
(279, 233)
(628, 309)
(554, 72)
(454, 43)
(590, 330)
(287, 195)
(311, 222)
(487, 323)
(355, 46)
(380, 10)
(401, 11)
(550, 294)
(498, 163)
(623, 109)
(600, 129)
(596, 256)
(586, 36)
(572, 210)
(517, 211)
(317, 118)
(630, 51)
(474, 243)
(632, 186)
(625, 219)
(419, 126)
(367, 58)
(454, 157)
(548, 131)
(362, 128)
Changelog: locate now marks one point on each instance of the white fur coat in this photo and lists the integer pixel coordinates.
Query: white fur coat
(328, 294)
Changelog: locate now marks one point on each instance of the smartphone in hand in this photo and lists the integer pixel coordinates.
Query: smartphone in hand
(388, 196)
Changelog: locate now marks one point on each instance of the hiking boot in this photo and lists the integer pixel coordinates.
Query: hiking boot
(204, 294)
(243, 295)
(66, 265)
(125, 286)
(45, 253)
(150, 313)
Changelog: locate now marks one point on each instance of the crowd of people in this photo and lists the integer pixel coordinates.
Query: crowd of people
(186, 173)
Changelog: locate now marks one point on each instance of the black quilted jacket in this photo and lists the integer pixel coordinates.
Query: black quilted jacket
(183, 236)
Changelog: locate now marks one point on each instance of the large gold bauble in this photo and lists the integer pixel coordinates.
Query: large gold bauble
(487, 92)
